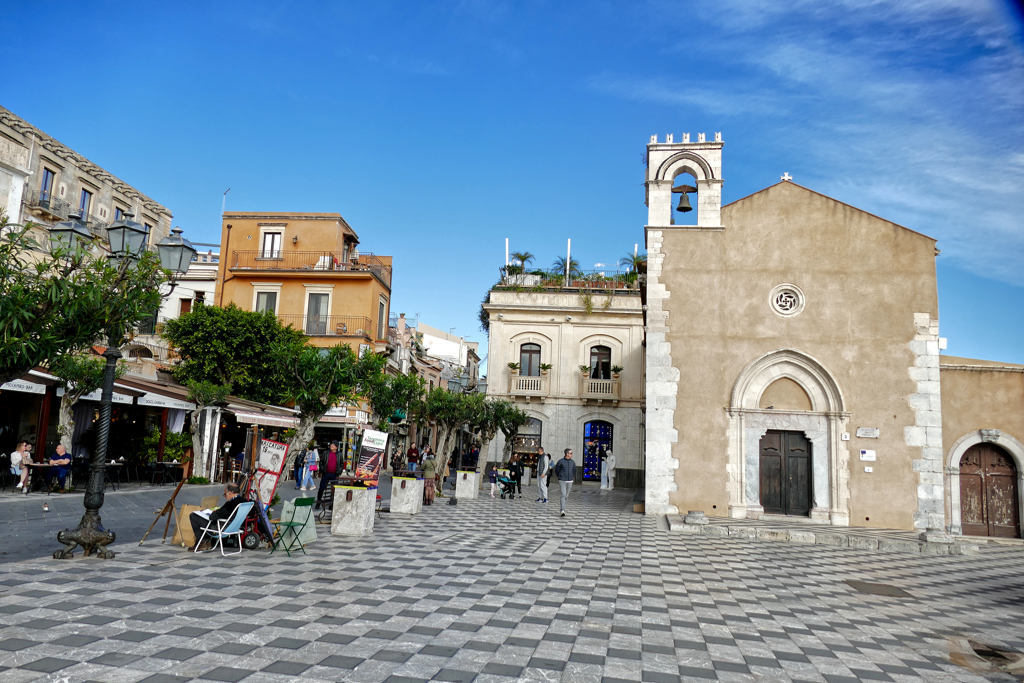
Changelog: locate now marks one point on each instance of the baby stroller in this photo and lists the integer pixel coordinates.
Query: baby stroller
(508, 486)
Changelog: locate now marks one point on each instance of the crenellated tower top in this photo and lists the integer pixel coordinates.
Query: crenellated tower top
(668, 159)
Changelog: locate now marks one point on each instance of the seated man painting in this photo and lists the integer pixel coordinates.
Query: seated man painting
(61, 462)
(200, 520)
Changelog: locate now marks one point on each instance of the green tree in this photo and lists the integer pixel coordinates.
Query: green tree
(62, 300)
(633, 262)
(509, 418)
(78, 376)
(316, 380)
(558, 267)
(523, 257)
(229, 346)
(390, 394)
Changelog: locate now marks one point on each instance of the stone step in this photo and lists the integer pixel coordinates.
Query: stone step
(817, 536)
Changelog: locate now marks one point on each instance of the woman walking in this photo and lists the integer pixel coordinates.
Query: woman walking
(429, 478)
(310, 466)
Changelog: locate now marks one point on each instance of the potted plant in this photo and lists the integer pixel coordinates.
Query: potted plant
(616, 371)
(544, 367)
(585, 369)
(514, 368)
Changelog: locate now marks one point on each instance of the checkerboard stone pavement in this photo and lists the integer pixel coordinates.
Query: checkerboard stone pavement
(499, 590)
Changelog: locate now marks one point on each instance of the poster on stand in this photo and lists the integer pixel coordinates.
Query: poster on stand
(371, 455)
(269, 465)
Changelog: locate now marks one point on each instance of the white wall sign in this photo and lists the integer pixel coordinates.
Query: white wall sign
(868, 456)
(157, 401)
(867, 432)
(23, 386)
(869, 469)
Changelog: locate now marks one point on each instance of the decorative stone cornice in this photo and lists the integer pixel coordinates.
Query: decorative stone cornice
(62, 151)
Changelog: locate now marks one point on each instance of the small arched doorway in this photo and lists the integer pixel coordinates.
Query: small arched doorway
(988, 492)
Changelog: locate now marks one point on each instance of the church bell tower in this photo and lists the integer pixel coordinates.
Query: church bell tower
(668, 159)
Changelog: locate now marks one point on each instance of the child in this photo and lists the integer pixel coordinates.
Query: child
(494, 479)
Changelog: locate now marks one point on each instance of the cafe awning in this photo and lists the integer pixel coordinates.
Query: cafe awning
(265, 419)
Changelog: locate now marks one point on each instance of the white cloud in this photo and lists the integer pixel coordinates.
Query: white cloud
(913, 111)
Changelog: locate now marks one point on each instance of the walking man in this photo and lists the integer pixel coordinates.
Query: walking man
(565, 470)
(543, 465)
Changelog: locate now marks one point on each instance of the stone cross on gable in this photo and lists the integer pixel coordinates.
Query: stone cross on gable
(786, 176)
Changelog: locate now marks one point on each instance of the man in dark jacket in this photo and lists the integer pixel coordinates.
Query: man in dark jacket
(200, 521)
(565, 470)
(515, 473)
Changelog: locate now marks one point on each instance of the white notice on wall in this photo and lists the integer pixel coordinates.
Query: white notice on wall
(867, 432)
(868, 455)
(869, 469)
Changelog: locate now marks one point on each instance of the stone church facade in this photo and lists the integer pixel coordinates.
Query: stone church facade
(793, 366)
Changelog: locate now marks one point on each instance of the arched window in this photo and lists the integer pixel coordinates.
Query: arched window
(600, 362)
(529, 360)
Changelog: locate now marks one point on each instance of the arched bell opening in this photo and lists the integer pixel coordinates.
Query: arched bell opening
(684, 198)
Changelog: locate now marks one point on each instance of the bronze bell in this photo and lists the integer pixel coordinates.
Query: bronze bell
(684, 201)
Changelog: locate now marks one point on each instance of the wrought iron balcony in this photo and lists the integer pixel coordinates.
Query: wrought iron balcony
(330, 325)
(528, 385)
(46, 203)
(603, 389)
(312, 261)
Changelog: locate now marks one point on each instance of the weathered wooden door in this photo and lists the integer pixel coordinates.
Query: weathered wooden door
(988, 492)
(786, 473)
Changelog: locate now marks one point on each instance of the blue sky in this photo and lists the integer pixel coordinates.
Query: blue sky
(440, 129)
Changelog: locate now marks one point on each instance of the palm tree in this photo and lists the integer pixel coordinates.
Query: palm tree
(633, 262)
(558, 267)
(523, 257)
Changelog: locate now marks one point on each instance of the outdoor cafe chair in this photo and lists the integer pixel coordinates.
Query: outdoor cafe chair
(223, 528)
(293, 526)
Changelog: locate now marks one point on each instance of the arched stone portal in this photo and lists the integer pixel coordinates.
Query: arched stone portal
(1007, 443)
(822, 426)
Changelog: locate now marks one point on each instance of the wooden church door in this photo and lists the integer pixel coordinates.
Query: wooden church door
(786, 473)
(988, 492)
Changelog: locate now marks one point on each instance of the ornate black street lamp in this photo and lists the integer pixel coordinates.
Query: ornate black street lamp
(127, 241)
(71, 234)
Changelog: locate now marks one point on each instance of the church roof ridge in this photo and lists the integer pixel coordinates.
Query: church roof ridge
(837, 201)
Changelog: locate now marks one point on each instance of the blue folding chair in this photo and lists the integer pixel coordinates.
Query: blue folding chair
(232, 526)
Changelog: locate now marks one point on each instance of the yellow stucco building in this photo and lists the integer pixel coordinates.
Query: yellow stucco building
(307, 269)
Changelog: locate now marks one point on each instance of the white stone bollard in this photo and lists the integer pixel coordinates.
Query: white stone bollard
(467, 484)
(526, 477)
(407, 495)
(354, 510)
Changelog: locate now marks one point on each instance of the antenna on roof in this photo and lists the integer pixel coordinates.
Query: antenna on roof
(224, 202)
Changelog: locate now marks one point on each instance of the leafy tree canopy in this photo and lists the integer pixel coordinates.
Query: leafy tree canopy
(80, 375)
(392, 393)
(229, 346)
(62, 300)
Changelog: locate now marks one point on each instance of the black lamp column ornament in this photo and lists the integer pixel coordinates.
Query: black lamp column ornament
(127, 241)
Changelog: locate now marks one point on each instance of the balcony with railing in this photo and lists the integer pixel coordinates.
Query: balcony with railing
(330, 325)
(46, 203)
(601, 389)
(512, 277)
(311, 261)
(528, 386)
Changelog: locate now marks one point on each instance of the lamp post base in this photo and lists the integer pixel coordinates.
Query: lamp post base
(90, 535)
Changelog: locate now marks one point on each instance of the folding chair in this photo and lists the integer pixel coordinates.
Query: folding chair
(293, 526)
(232, 526)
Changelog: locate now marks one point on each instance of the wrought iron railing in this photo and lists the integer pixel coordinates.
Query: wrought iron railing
(595, 279)
(528, 385)
(45, 201)
(313, 261)
(330, 325)
(599, 388)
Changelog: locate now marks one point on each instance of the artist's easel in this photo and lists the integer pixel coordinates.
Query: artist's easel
(168, 508)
